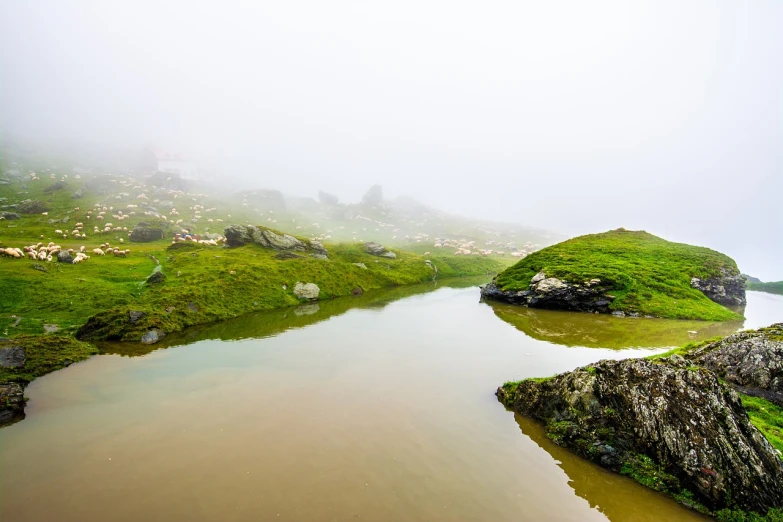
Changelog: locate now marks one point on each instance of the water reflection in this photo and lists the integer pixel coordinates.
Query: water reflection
(273, 322)
(606, 331)
(606, 491)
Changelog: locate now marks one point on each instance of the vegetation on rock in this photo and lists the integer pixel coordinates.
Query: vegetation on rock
(639, 272)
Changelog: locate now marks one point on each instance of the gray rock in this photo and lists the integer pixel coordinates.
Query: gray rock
(726, 289)
(152, 337)
(32, 206)
(10, 215)
(12, 356)
(361, 265)
(538, 277)
(376, 249)
(306, 291)
(135, 316)
(51, 328)
(157, 277)
(689, 424)
(287, 255)
(752, 361)
(145, 232)
(11, 402)
(268, 239)
(40, 267)
(78, 194)
(64, 257)
(237, 235)
(318, 248)
(57, 185)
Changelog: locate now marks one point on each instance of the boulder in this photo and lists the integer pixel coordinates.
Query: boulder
(145, 232)
(9, 215)
(376, 249)
(64, 257)
(237, 235)
(12, 356)
(327, 199)
(673, 427)
(752, 361)
(374, 196)
(268, 239)
(726, 289)
(157, 277)
(57, 185)
(32, 206)
(11, 402)
(78, 194)
(555, 294)
(307, 291)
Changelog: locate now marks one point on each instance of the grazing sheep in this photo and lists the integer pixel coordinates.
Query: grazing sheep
(98, 252)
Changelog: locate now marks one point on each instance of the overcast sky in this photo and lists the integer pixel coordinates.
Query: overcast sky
(573, 116)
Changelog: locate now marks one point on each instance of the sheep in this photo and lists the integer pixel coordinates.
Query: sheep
(98, 252)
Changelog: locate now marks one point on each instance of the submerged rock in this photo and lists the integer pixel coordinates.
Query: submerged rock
(672, 427)
(152, 337)
(752, 361)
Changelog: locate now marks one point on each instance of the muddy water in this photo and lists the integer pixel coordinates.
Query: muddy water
(380, 408)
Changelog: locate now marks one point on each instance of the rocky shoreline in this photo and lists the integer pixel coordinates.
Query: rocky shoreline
(596, 296)
(675, 424)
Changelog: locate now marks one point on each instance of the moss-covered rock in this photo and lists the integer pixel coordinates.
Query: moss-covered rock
(624, 272)
(677, 429)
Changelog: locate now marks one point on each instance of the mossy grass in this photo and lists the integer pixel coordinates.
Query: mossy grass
(44, 354)
(767, 417)
(645, 274)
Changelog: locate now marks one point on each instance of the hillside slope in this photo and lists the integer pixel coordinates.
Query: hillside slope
(628, 272)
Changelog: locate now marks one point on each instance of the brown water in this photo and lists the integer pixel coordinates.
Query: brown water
(380, 412)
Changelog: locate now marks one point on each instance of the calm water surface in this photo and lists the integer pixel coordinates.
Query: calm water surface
(376, 408)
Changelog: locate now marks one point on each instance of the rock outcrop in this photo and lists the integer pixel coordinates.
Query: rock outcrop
(12, 357)
(239, 235)
(555, 294)
(32, 206)
(9, 215)
(726, 289)
(752, 361)
(376, 249)
(673, 427)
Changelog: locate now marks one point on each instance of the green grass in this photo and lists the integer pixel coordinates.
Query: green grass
(770, 288)
(645, 274)
(767, 417)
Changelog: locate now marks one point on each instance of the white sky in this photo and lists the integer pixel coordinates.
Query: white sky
(573, 116)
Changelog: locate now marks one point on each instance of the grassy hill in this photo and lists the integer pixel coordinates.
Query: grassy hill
(645, 274)
(770, 288)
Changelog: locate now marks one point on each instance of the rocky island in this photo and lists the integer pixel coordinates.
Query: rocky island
(625, 273)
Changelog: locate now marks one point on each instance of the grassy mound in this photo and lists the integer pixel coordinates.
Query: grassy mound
(646, 274)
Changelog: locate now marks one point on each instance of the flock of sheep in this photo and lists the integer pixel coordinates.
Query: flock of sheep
(49, 252)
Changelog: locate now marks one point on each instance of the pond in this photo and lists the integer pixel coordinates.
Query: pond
(379, 407)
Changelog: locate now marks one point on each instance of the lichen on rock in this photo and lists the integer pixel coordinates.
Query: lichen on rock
(672, 427)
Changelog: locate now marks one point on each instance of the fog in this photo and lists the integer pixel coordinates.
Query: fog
(576, 117)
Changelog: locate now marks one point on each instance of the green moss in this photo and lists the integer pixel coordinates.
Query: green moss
(645, 274)
(767, 417)
(730, 515)
(647, 472)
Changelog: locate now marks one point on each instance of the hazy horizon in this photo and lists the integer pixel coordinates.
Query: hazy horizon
(567, 116)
